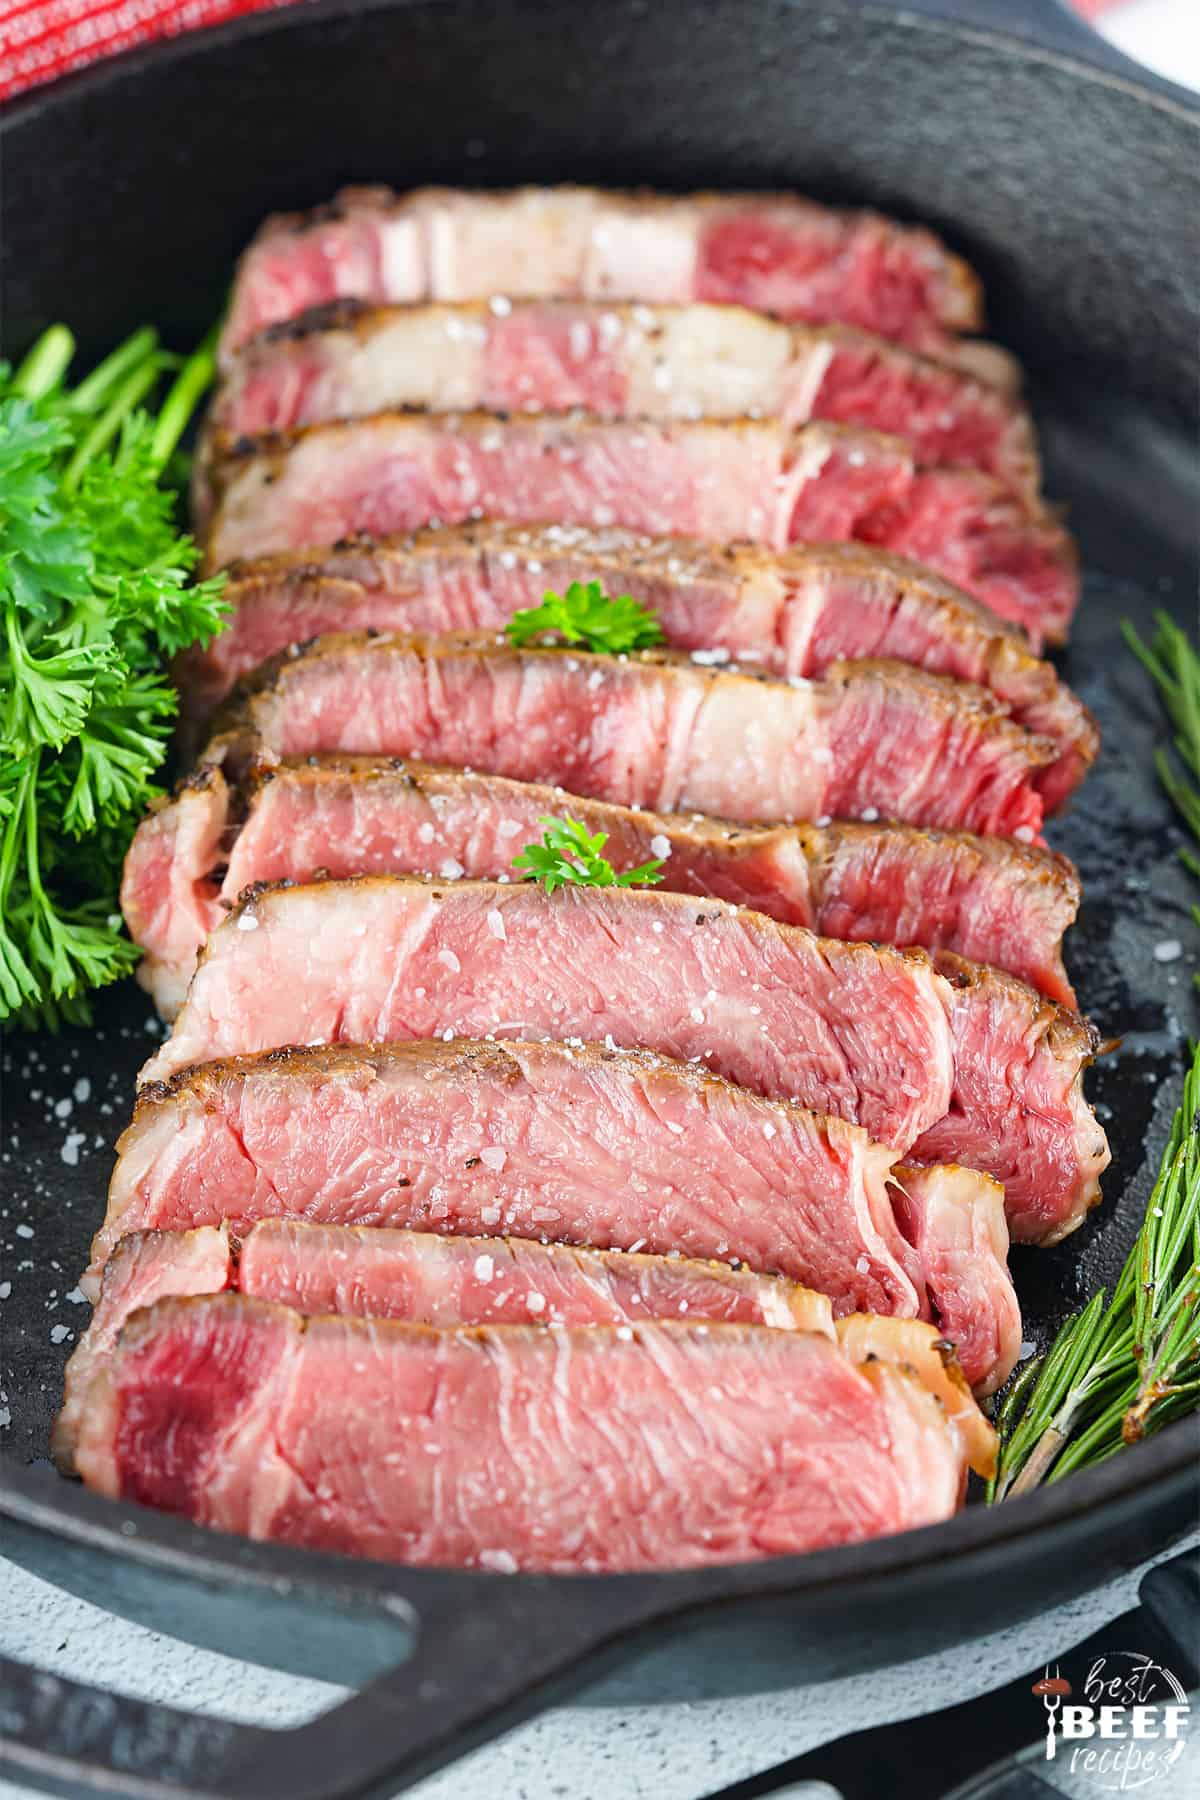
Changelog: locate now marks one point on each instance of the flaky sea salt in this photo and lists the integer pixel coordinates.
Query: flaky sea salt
(1170, 950)
(493, 1158)
(495, 924)
(247, 922)
(660, 846)
(485, 1268)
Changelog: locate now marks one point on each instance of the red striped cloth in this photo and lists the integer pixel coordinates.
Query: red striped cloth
(42, 39)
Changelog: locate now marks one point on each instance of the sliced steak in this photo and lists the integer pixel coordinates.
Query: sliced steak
(795, 613)
(509, 1447)
(990, 899)
(774, 252)
(424, 1278)
(968, 1065)
(618, 1149)
(667, 362)
(957, 1225)
(721, 481)
(653, 729)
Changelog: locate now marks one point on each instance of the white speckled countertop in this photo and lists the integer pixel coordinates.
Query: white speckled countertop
(648, 1752)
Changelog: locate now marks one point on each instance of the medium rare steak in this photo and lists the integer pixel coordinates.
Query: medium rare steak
(749, 479)
(619, 1149)
(774, 252)
(513, 1447)
(990, 899)
(653, 729)
(689, 362)
(427, 1279)
(794, 613)
(968, 1066)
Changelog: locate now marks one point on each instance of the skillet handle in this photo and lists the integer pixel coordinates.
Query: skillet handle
(490, 1652)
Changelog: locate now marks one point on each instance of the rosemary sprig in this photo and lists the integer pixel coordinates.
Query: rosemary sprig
(1120, 1369)
(1173, 664)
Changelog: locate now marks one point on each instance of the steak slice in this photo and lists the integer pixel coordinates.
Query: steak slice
(653, 729)
(618, 1149)
(511, 1447)
(427, 1279)
(967, 1065)
(721, 481)
(666, 362)
(795, 613)
(990, 899)
(774, 252)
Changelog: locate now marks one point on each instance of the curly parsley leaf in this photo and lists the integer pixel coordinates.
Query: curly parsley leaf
(95, 590)
(586, 615)
(569, 853)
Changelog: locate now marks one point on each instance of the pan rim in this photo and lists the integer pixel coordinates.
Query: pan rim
(79, 86)
(33, 1494)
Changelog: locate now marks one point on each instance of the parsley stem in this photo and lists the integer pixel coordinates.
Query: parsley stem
(45, 364)
(132, 390)
(92, 391)
(183, 395)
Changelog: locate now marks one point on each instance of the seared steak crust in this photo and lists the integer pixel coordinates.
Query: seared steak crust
(429, 1280)
(666, 362)
(652, 729)
(987, 898)
(777, 253)
(791, 613)
(510, 1447)
(713, 480)
(535, 1139)
(968, 1065)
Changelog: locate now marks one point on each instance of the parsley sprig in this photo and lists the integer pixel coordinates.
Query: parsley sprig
(586, 615)
(94, 591)
(568, 853)
(1124, 1367)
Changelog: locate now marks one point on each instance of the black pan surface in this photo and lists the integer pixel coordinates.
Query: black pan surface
(1077, 194)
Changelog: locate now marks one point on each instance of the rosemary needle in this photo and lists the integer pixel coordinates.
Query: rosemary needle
(1121, 1368)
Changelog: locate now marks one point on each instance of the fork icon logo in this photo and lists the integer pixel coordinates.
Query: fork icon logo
(1052, 1690)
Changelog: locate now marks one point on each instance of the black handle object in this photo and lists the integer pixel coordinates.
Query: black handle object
(948, 1745)
(481, 1663)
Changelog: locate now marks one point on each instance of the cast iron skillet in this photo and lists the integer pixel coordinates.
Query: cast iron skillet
(1070, 179)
